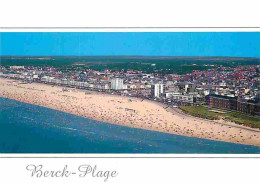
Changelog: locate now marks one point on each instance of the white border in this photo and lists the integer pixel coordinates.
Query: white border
(129, 29)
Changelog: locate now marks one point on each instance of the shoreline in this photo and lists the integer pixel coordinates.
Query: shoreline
(119, 110)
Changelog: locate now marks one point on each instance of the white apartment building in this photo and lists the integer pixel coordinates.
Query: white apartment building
(157, 90)
(180, 97)
(117, 84)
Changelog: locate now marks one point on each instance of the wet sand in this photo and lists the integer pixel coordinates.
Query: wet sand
(120, 110)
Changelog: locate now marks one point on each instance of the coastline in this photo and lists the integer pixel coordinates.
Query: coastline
(119, 110)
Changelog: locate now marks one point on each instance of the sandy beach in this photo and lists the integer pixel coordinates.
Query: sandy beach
(119, 110)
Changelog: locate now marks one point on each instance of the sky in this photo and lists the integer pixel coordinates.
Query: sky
(237, 44)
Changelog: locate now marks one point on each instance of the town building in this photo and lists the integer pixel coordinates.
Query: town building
(16, 67)
(180, 98)
(117, 84)
(157, 90)
(223, 102)
(233, 103)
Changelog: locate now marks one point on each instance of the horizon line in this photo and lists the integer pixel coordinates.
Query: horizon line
(124, 56)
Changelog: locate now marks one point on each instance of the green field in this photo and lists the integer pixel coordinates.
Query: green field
(243, 119)
(236, 117)
(199, 111)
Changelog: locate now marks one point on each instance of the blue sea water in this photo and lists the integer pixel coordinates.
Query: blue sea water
(27, 128)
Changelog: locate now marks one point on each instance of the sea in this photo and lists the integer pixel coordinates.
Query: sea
(27, 128)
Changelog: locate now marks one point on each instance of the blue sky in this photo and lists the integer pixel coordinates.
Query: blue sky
(239, 44)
